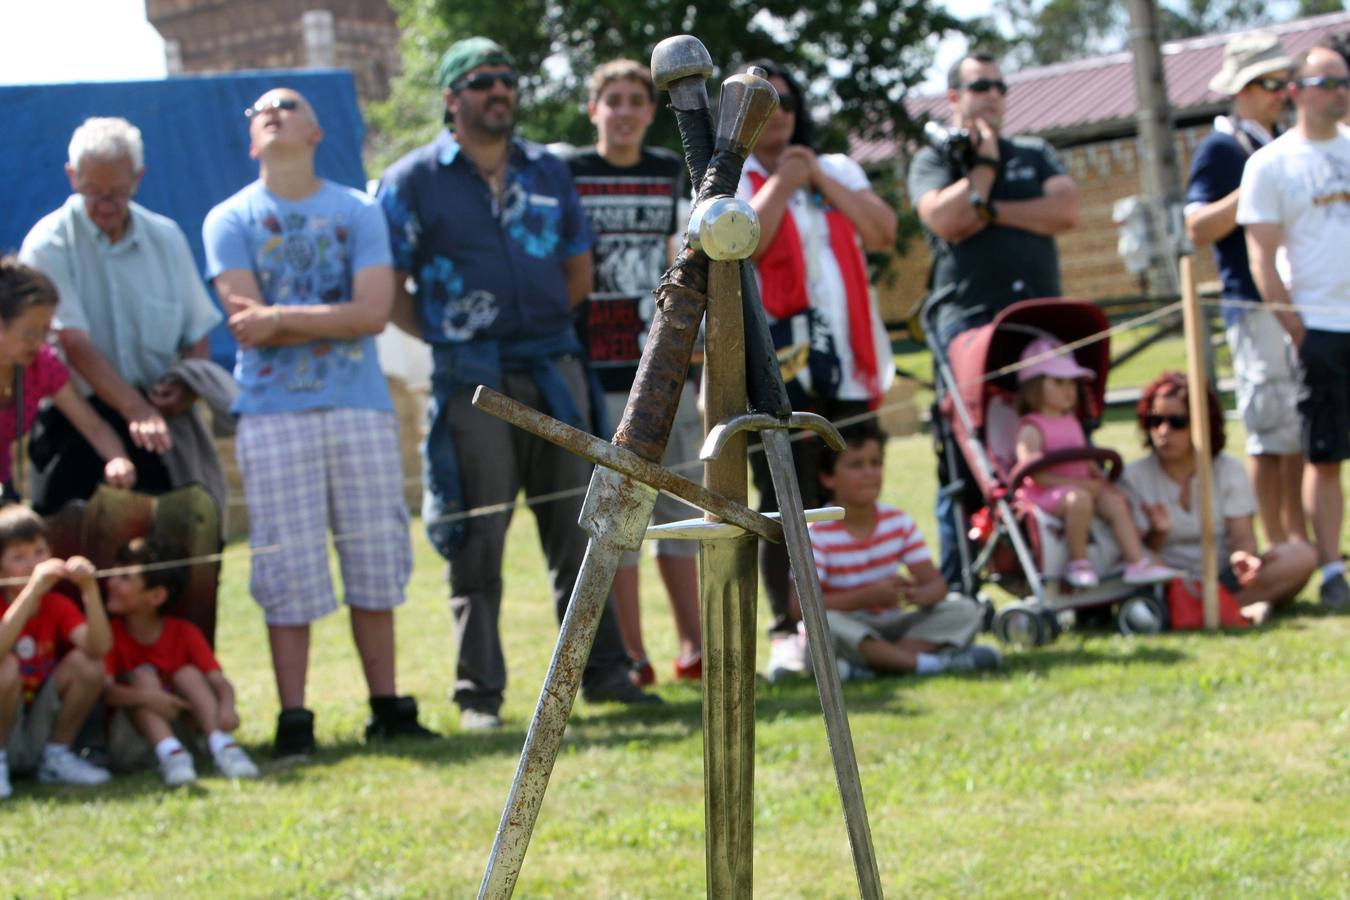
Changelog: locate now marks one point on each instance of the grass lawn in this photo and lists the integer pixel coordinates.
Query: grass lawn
(1183, 765)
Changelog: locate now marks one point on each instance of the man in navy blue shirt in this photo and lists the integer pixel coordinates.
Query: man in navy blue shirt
(1255, 74)
(492, 234)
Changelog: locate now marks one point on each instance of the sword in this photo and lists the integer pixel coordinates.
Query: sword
(617, 508)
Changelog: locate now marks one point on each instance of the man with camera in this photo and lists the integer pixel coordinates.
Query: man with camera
(990, 207)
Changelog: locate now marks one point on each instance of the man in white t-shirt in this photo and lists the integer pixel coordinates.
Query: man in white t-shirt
(1296, 192)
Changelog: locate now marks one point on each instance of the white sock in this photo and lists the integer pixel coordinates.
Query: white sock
(218, 741)
(167, 747)
(4, 757)
(51, 750)
(929, 664)
(1332, 569)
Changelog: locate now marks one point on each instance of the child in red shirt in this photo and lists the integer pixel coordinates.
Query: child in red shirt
(161, 666)
(51, 669)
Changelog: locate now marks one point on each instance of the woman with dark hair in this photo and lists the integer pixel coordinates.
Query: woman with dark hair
(1163, 486)
(817, 215)
(30, 372)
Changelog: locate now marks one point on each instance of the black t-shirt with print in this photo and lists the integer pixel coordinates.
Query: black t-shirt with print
(633, 212)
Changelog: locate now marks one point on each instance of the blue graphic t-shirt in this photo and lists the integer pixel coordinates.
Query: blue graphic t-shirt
(302, 252)
(484, 269)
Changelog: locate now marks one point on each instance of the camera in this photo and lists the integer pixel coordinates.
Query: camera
(957, 144)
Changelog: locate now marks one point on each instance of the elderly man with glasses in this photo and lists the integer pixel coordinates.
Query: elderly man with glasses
(990, 206)
(131, 305)
(491, 231)
(1295, 192)
(1255, 73)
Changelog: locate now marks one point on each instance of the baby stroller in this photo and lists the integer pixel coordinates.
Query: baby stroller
(1004, 539)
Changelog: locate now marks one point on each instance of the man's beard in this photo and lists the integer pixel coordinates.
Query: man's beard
(496, 127)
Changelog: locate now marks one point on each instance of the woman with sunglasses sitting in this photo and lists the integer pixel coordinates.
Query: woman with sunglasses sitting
(1164, 488)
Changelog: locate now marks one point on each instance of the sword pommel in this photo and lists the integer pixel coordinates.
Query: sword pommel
(747, 102)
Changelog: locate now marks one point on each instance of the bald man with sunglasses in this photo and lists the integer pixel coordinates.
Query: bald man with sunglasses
(990, 217)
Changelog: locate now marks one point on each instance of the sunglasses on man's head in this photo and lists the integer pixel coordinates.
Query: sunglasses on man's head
(290, 104)
(983, 85)
(484, 80)
(1270, 84)
(1326, 82)
(1175, 422)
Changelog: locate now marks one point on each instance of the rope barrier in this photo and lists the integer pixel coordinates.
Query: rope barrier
(506, 506)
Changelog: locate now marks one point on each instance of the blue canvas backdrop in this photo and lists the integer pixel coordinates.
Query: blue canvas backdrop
(196, 145)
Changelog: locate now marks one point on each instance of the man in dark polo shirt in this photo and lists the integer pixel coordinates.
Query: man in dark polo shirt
(490, 230)
(991, 221)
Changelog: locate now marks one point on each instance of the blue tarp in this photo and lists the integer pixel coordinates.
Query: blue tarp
(196, 145)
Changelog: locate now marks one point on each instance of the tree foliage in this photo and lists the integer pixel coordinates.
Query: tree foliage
(1043, 32)
(857, 58)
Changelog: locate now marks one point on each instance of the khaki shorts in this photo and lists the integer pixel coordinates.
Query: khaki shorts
(953, 622)
(1266, 367)
(686, 438)
(32, 728)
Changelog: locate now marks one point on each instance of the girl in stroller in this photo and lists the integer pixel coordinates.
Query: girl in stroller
(1074, 491)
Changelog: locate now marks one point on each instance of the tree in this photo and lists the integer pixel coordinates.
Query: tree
(857, 58)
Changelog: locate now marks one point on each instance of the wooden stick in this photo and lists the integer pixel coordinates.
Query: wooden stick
(1196, 335)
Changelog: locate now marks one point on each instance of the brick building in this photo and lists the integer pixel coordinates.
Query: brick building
(1086, 109)
(204, 36)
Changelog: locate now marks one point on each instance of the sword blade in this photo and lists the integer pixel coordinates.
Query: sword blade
(778, 453)
(544, 739)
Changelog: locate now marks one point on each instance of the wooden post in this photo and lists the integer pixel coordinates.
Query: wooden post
(1196, 334)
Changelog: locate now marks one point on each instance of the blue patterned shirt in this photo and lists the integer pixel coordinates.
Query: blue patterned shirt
(484, 269)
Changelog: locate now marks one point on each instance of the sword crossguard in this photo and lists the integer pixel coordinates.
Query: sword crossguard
(722, 432)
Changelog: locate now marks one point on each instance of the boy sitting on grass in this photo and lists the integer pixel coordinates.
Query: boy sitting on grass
(51, 655)
(880, 618)
(162, 667)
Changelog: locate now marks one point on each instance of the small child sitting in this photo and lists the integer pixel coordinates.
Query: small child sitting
(164, 667)
(1073, 492)
(51, 669)
(880, 618)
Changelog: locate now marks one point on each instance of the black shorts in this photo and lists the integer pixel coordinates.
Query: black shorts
(1324, 402)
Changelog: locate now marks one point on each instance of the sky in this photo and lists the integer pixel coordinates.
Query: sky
(78, 40)
(114, 42)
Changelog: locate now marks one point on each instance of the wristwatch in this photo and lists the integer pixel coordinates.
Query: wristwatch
(982, 208)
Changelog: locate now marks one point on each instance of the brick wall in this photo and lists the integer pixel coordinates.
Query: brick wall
(1105, 172)
(232, 35)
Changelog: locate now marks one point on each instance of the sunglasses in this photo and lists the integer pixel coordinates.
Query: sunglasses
(983, 85)
(1270, 84)
(290, 104)
(787, 103)
(116, 195)
(485, 80)
(1176, 423)
(1326, 82)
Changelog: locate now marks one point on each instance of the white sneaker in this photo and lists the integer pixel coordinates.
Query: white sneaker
(177, 768)
(6, 790)
(471, 719)
(787, 656)
(851, 671)
(975, 658)
(233, 762)
(63, 767)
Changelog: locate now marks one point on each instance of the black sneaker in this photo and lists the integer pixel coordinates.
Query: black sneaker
(619, 690)
(295, 734)
(1335, 594)
(395, 717)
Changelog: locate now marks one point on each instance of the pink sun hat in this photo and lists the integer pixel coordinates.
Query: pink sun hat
(1061, 365)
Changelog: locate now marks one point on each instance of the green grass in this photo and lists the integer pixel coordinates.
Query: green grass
(1184, 765)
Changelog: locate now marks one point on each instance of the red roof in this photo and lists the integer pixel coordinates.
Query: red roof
(1069, 99)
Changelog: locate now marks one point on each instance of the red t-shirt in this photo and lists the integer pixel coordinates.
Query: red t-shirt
(44, 640)
(180, 644)
(42, 378)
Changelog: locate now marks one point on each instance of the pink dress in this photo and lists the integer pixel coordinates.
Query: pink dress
(1057, 433)
(42, 378)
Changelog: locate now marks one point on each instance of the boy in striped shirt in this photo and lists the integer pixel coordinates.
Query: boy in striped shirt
(882, 618)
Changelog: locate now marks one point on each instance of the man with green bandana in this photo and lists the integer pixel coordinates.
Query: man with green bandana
(490, 230)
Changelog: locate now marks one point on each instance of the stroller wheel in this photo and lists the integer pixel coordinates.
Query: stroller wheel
(1052, 626)
(1021, 625)
(1141, 614)
(987, 611)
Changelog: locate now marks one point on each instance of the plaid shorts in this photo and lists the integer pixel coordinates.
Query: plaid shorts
(306, 473)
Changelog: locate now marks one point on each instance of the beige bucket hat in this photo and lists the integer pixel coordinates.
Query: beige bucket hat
(1246, 58)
